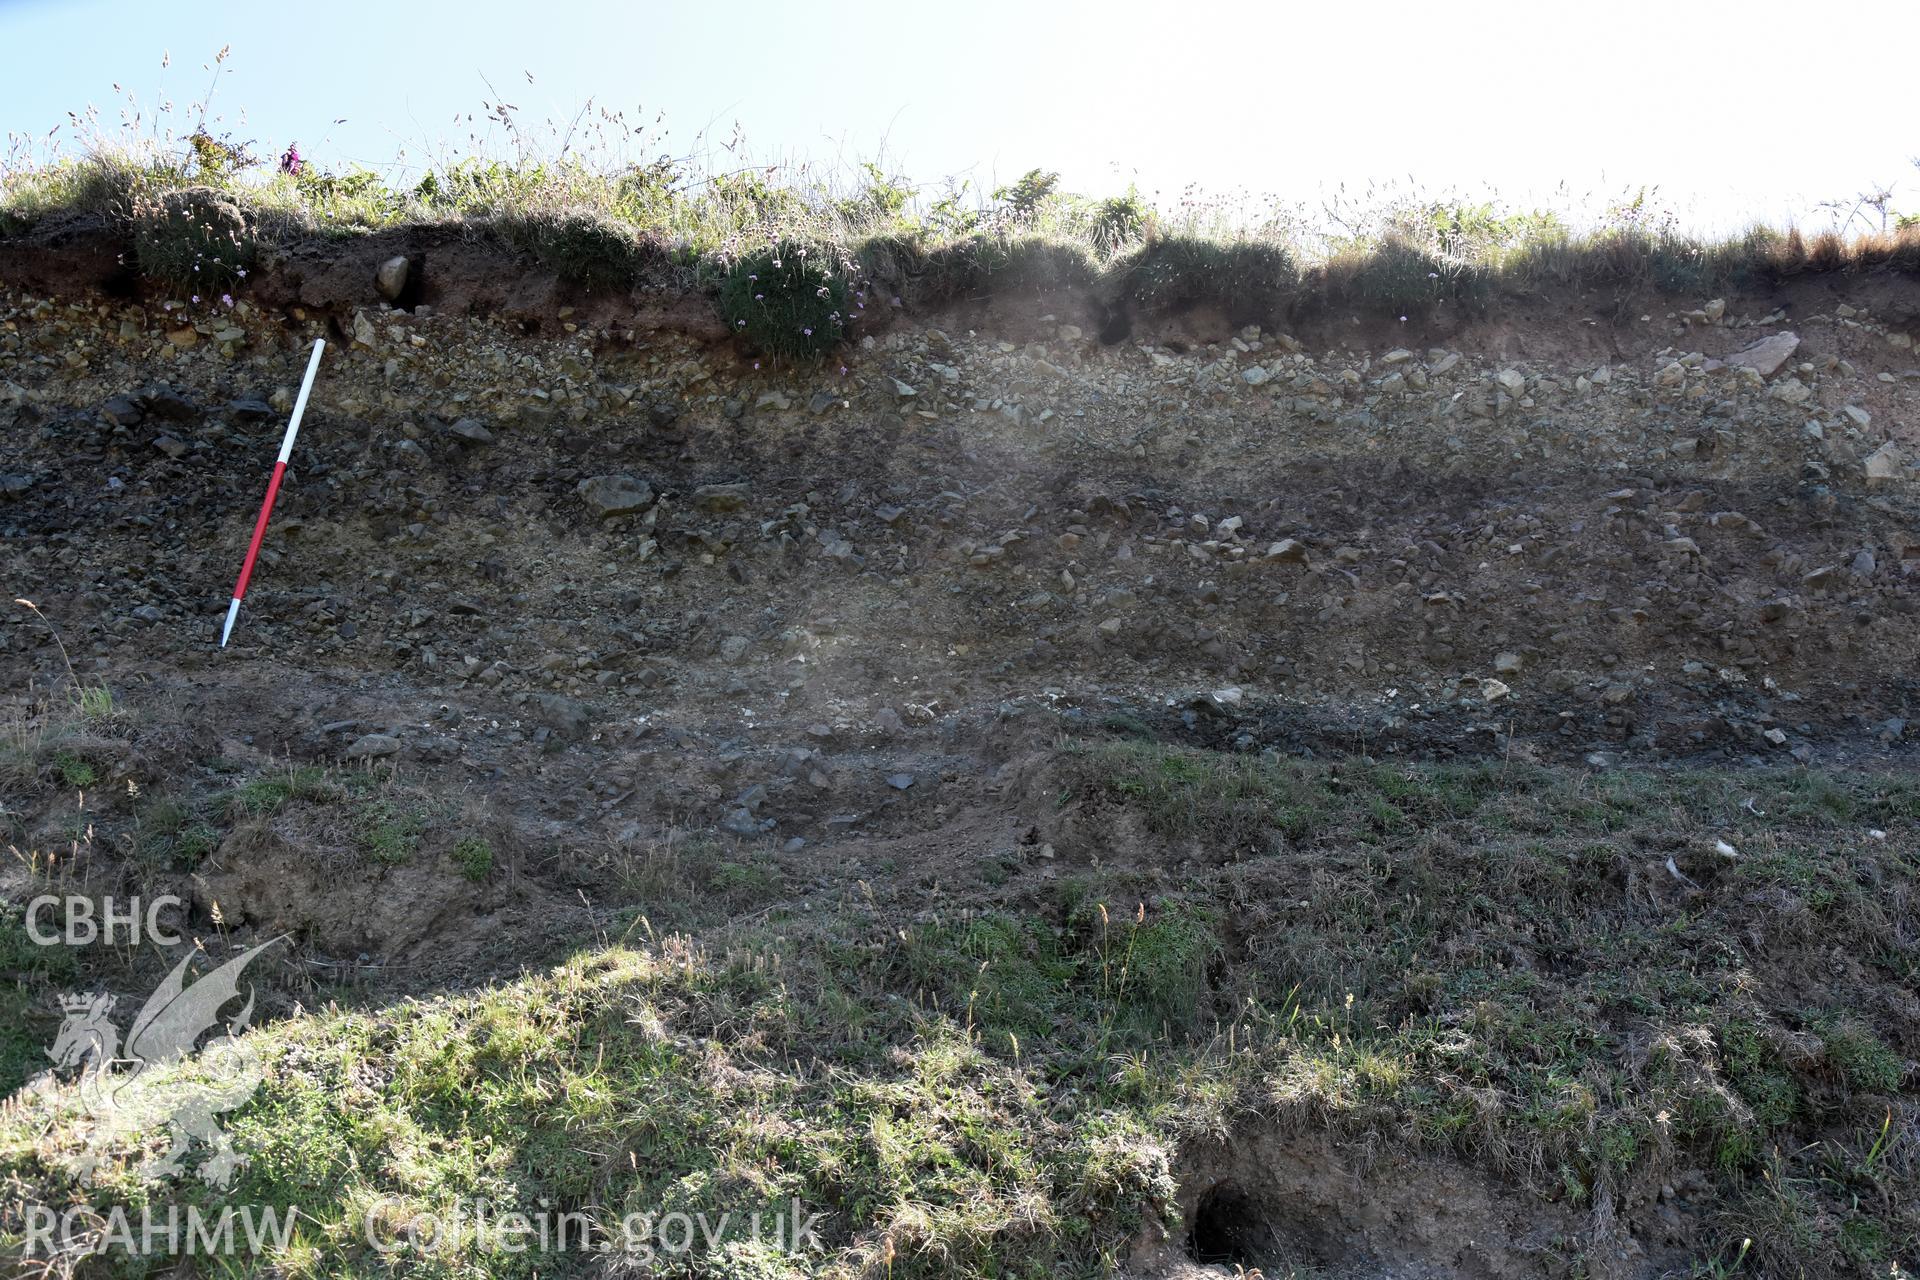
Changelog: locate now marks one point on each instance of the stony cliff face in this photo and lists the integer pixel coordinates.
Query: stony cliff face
(1677, 535)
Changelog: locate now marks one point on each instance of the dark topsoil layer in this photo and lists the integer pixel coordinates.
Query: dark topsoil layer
(473, 269)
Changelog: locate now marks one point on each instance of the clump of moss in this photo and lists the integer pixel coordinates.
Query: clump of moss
(194, 239)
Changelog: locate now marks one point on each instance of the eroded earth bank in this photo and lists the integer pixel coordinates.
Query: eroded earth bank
(1421, 801)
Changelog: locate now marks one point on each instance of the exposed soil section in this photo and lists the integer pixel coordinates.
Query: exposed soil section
(579, 572)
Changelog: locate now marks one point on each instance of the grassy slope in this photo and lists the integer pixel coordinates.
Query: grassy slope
(1483, 959)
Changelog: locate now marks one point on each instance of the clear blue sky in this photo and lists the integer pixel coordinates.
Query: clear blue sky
(1737, 110)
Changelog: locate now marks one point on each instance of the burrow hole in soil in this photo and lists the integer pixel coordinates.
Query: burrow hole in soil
(1230, 1227)
(414, 291)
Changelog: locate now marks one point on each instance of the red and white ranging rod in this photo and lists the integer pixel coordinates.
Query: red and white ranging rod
(273, 488)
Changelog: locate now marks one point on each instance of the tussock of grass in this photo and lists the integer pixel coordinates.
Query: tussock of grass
(68, 738)
(21, 955)
(474, 856)
(74, 770)
(106, 184)
(688, 880)
(586, 248)
(1399, 276)
(390, 829)
(266, 795)
(172, 834)
(1253, 281)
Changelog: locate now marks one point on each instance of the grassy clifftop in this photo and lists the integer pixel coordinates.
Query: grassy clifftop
(199, 220)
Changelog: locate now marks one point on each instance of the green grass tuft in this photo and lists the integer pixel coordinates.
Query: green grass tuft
(1255, 282)
(1864, 1061)
(474, 856)
(592, 250)
(173, 834)
(74, 770)
(390, 830)
(262, 797)
(1401, 278)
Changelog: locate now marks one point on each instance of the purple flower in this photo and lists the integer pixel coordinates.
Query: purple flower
(226, 299)
(196, 297)
(808, 332)
(740, 324)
